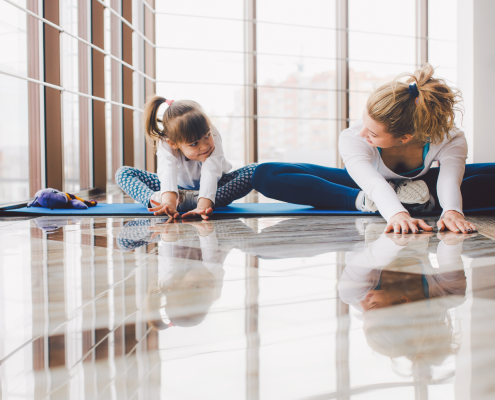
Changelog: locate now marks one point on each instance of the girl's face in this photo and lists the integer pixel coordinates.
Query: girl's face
(375, 134)
(200, 150)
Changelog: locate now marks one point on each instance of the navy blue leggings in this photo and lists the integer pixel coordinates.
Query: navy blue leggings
(333, 188)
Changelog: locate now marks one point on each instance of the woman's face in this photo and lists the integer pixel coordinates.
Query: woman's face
(375, 133)
(383, 298)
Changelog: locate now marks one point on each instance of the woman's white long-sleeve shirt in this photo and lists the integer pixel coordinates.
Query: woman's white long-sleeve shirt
(175, 170)
(363, 268)
(366, 167)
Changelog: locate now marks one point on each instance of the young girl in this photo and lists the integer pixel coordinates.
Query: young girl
(193, 174)
(387, 155)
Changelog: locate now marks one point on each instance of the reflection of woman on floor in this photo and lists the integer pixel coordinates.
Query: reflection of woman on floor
(388, 154)
(394, 271)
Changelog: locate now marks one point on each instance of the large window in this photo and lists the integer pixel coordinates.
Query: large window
(442, 38)
(200, 56)
(382, 44)
(284, 57)
(280, 79)
(14, 103)
(296, 69)
(73, 80)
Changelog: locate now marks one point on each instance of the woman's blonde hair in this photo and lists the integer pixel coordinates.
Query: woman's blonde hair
(427, 113)
(184, 121)
(426, 336)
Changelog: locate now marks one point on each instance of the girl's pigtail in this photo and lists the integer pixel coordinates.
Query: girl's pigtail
(151, 120)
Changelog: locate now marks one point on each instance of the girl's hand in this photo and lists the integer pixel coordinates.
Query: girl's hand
(204, 227)
(403, 223)
(164, 209)
(203, 212)
(203, 209)
(169, 231)
(455, 222)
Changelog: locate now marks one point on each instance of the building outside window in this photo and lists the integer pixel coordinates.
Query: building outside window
(265, 71)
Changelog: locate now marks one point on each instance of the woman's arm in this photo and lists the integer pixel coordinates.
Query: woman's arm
(452, 160)
(357, 157)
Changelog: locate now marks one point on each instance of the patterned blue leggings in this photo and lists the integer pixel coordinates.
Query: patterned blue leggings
(141, 185)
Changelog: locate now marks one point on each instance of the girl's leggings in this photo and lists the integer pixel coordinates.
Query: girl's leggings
(141, 185)
(333, 188)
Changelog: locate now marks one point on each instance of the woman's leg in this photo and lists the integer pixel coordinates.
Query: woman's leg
(307, 184)
(477, 187)
(138, 184)
(234, 185)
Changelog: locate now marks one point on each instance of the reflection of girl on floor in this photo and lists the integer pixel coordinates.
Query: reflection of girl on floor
(395, 270)
(190, 267)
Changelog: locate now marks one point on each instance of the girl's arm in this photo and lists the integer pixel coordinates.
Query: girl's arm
(211, 172)
(167, 174)
(212, 169)
(167, 168)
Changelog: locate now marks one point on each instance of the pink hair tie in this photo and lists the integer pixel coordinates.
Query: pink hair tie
(169, 102)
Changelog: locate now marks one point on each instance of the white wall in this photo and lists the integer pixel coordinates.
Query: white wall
(476, 75)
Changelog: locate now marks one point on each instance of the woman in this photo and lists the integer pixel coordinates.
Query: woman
(387, 155)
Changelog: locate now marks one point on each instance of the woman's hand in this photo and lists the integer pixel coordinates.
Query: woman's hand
(203, 209)
(404, 239)
(403, 223)
(454, 238)
(455, 222)
(169, 209)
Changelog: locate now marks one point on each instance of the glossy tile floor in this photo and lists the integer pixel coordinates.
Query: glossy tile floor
(262, 308)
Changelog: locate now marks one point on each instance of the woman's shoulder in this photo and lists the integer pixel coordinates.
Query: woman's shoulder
(455, 139)
(351, 142)
(353, 130)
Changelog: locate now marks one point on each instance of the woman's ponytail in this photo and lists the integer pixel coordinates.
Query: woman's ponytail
(423, 106)
(150, 118)
(436, 106)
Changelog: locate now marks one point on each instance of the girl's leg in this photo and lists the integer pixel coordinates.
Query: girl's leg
(307, 184)
(138, 184)
(134, 234)
(234, 185)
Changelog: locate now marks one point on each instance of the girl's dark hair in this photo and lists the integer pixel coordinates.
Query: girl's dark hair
(429, 115)
(184, 121)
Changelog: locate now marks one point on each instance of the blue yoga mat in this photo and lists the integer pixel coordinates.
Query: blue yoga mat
(234, 210)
